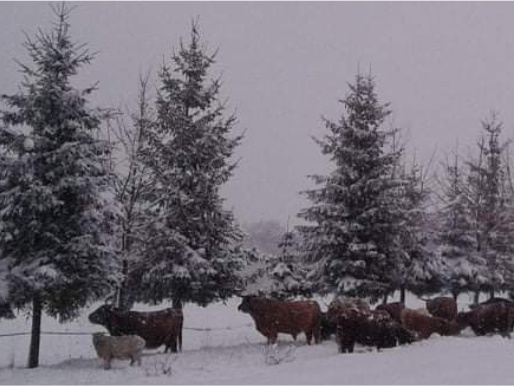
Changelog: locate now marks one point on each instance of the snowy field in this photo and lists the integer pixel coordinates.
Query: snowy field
(237, 356)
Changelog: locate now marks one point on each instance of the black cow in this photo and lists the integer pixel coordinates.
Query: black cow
(370, 328)
(157, 328)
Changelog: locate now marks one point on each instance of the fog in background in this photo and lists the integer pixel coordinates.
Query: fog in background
(443, 67)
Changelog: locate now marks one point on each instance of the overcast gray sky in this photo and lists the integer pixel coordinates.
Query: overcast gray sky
(443, 67)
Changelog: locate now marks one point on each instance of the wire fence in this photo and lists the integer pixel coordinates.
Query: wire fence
(92, 332)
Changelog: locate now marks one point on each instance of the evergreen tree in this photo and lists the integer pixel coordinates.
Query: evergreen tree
(492, 206)
(189, 253)
(421, 270)
(56, 212)
(354, 214)
(457, 239)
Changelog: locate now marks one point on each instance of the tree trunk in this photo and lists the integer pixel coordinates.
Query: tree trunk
(476, 298)
(384, 301)
(491, 293)
(402, 295)
(455, 295)
(123, 290)
(37, 310)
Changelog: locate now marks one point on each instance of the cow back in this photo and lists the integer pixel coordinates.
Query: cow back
(442, 307)
(291, 317)
(423, 325)
(393, 309)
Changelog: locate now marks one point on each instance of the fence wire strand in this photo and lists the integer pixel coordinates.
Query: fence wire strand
(90, 333)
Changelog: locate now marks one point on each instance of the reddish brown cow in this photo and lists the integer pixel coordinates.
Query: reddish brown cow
(423, 326)
(489, 318)
(157, 328)
(288, 317)
(442, 307)
(370, 328)
(393, 309)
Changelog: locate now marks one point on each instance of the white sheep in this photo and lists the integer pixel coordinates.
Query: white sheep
(118, 347)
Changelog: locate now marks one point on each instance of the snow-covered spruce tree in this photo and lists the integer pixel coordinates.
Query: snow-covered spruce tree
(421, 270)
(456, 235)
(354, 213)
(132, 186)
(56, 214)
(286, 275)
(188, 255)
(491, 201)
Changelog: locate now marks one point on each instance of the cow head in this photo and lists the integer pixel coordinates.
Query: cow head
(101, 315)
(6, 311)
(245, 305)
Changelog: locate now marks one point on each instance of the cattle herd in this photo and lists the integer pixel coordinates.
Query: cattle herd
(350, 320)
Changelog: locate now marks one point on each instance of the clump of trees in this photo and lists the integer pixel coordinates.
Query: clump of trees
(139, 211)
(96, 202)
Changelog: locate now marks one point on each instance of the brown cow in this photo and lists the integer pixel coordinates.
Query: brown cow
(424, 326)
(370, 328)
(157, 328)
(394, 309)
(442, 307)
(288, 317)
(488, 318)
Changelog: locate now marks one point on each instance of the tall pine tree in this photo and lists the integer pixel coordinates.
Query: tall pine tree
(353, 231)
(56, 213)
(188, 255)
(492, 205)
(456, 236)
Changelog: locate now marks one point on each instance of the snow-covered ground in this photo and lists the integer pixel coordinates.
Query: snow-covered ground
(235, 354)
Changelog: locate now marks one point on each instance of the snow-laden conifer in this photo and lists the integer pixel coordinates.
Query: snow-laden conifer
(189, 252)
(353, 217)
(56, 211)
(456, 235)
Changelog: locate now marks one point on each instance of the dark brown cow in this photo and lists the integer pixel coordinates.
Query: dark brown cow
(489, 318)
(288, 317)
(442, 307)
(393, 309)
(157, 328)
(370, 328)
(423, 325)
(341, 303)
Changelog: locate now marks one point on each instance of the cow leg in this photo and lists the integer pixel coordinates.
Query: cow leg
(308, 335)
(132, 360)
(317, 336)
(174, 344)
(107, 363)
